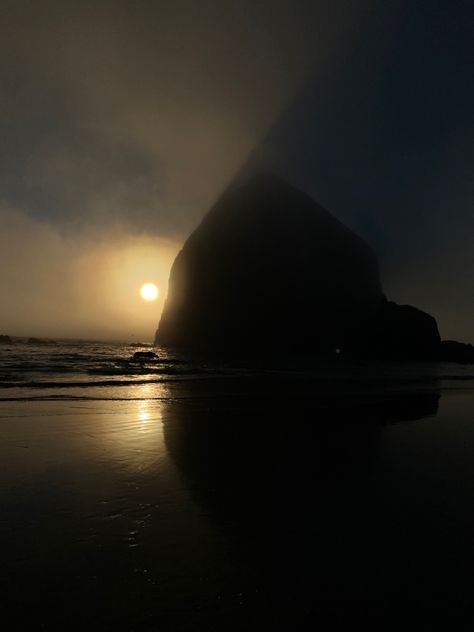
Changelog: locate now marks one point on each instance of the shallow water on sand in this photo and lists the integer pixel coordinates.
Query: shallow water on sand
(236, 500)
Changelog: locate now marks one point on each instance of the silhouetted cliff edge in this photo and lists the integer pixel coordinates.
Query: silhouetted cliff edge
(270, 270)
(452, 351)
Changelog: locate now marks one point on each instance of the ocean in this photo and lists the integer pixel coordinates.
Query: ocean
(175, 494)
(88, 370)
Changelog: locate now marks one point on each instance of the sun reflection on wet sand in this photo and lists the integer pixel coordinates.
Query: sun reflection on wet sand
(100, 491)
(125, 434)
(133, 434)
(149, 409)
(143, 413)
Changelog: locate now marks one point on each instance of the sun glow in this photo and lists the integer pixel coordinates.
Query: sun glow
(105, 282)
(149, 292)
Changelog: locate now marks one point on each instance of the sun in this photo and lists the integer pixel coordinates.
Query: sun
(149, 292)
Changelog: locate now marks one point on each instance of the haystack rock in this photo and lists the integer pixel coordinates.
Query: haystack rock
(269, 270)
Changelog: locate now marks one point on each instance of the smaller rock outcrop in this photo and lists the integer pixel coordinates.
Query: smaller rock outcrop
(144, 355)
(403, 332)
(452, 351)
(5, 340)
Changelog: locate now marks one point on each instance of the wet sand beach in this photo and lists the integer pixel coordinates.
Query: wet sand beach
(233, 502)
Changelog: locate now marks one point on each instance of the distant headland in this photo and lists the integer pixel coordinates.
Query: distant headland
(11, 340)
(269, 270)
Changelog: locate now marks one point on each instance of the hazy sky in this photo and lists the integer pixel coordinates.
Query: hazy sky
(122, 121)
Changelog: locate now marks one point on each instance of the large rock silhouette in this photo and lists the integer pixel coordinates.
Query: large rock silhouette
(269, 269)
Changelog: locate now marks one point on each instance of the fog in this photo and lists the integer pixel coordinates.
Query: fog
(79, 285)
(121, 122)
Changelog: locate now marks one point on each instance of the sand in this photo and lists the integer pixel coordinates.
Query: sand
(224, 506)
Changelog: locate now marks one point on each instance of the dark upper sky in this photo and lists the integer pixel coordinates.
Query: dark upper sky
(133, 116)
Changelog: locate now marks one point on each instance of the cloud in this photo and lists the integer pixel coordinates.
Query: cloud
(143, 111)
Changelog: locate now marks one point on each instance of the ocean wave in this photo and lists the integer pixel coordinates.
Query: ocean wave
(91, 383)
(68, 371)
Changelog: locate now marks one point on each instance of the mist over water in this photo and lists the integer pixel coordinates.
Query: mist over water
(77, 285)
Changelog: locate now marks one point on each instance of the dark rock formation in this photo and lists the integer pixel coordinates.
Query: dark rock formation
(5, 340)
(144, 355)
(452, 351)
(403, 332)
(269, 269)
